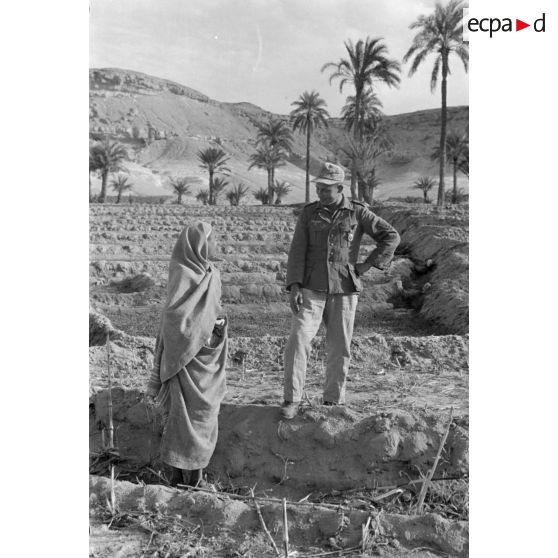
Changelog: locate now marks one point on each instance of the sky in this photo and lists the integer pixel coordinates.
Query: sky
(266, 52)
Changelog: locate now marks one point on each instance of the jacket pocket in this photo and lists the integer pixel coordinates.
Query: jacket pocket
(307, 274)
(318, 231)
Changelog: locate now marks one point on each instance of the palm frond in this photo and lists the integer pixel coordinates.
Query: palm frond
(214, 159)
(435, 73)
(309, 112)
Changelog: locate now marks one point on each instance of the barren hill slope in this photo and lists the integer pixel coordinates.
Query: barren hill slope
(165, 124)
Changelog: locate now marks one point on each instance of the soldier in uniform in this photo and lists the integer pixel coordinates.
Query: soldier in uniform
(323, 279)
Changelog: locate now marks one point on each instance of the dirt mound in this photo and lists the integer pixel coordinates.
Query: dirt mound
(322, 448)
(137, 283)
(132, 357)
(100, 328)
(443, 237)
(309, 525)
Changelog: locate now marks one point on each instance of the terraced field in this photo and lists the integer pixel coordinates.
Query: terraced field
(410, 361)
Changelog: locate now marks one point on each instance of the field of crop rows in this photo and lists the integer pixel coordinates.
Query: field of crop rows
(409, 367)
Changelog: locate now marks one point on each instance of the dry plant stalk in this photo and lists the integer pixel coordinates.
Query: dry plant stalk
(387, 494)
(112, 503)
(365, 535)
(285, 529)
(286, 460)
(345, 551)
(264, 526)
(336, 507)
(428, 479)
(110, 419)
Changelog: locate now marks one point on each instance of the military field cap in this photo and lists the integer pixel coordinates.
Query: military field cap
(330, 174)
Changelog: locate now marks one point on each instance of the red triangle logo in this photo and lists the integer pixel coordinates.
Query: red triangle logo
(519, 25)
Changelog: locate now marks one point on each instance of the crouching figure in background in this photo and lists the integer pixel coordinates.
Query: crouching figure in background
(188, 378)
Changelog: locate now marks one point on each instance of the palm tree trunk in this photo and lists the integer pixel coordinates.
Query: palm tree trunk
(362, 194)
(454, 194)
(270, 186)
(307, 197)
(211, 200)
(119, 195)
(90, 194)
(441, 184)
(104, 177)
(356, 134)
(179, 199)
(370, 188)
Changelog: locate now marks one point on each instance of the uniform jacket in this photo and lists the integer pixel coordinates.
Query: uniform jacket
(325, 247)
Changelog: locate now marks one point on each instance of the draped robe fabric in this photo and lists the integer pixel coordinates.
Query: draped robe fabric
(189, 368)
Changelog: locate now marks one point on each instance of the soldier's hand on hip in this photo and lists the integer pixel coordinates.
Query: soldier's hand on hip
(362, 268)
(296, 298)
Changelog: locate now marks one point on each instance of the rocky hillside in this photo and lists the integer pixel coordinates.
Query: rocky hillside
(164, 124)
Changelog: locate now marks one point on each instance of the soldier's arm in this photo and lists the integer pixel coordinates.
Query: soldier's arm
(384, 235)
(297, 253)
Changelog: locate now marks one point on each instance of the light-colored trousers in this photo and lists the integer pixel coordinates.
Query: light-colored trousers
(338, 314)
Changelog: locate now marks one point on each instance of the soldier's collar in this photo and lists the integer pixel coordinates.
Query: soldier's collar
(346, 203)
(333, 205)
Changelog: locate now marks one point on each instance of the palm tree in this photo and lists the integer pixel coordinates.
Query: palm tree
(440, 33)
(360, 155)
(219, 184)
(181, 187)
(281, 189)
(464, 162)
(237, 193)
(275, 135)
(107, 156)
(424, 184)
(457, 148)
(308, 115)
(461, 196)
(214, 160)
(268, 158)
(372, 183)
(120, 184)
(363, 155)
(203, 196)
(93, 167)
(262, 195)
(367, 63)
(369, 111)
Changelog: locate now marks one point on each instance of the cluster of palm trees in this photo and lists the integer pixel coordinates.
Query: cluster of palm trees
(366, 65)
(107, 157)
(457, 154)
(274, 142)
(360, 114)
(441, 34)
(214, 160)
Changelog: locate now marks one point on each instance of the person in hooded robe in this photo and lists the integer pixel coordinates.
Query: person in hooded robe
(188, 377)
